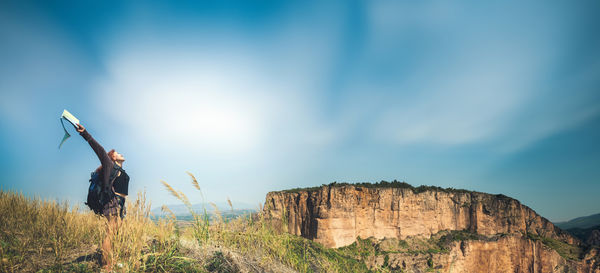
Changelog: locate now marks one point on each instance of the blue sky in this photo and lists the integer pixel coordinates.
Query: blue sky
(259, 96)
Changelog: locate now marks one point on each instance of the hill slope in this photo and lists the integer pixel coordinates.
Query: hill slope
(581, 222)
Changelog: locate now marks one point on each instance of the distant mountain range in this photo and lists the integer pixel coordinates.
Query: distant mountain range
(586, 228)
(580, 222)
(182, 210)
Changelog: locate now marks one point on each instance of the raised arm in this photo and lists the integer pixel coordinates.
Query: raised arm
(106, 162)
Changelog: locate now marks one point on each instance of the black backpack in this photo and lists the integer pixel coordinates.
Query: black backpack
(97, 196)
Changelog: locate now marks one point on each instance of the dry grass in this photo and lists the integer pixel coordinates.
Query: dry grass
(264, 241)
(45, 236)
(35, 232)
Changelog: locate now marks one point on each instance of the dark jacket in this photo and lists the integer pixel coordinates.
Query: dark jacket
(107, 163)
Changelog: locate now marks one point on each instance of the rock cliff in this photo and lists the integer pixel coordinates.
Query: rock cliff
(336, 215)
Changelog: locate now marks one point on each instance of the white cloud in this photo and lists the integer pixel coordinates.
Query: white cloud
(200, 105)
(486, 83)
(468, 104)
(222, 97)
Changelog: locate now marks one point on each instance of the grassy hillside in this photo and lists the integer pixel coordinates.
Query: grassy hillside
(45, 236)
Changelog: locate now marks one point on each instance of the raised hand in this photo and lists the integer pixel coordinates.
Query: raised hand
(80, 128)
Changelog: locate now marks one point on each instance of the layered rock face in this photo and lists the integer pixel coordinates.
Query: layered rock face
(335, 215)
(506, 254)
(594, 238)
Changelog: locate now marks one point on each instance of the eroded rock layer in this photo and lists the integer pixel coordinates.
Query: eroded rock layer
(509, 253)
(336, 215)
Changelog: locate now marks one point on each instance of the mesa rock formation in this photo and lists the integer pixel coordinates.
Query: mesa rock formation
(336, 215)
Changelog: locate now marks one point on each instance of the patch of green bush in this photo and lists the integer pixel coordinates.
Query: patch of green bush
(384, 184)
(567, 251)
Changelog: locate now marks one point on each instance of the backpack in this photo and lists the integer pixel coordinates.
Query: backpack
(97, 196)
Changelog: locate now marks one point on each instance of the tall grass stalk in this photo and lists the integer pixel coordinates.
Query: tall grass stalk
(201, 222)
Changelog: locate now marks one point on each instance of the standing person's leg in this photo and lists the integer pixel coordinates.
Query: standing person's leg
(107, 255)
(111, 213)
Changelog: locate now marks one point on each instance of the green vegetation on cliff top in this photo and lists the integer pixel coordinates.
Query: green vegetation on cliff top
(385, 184)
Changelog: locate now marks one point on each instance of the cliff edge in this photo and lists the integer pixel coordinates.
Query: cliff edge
(510, 236)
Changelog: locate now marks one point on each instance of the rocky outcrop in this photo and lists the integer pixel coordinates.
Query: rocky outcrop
(336, 215)
(508, 253)
(593, 238)
(590, 236)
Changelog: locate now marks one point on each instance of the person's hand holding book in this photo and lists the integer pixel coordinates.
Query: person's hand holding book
(80, 128)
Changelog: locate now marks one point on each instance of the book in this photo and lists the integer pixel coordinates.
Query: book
(70, 118)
